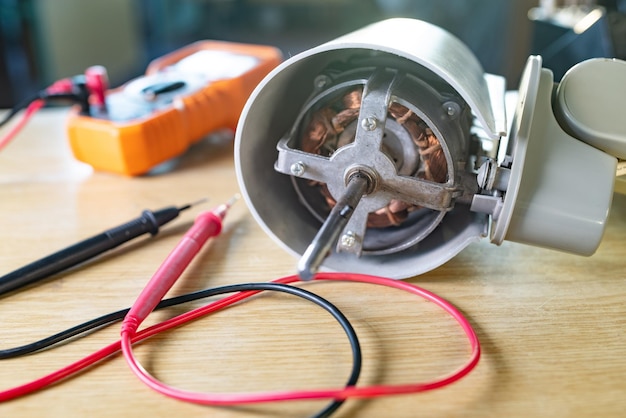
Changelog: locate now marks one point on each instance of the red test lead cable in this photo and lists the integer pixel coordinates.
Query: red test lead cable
(208, 225)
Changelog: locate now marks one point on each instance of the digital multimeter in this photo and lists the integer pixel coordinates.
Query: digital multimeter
(182, 97)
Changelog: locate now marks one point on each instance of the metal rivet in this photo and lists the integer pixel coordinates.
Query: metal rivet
(297, 169)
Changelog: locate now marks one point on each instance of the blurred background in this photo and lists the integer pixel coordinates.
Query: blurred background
(42, 40)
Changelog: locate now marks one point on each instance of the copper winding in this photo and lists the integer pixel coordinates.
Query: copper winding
(322, 136)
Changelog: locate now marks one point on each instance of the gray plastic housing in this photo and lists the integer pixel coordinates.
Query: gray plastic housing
(561, 188)
(590, 102)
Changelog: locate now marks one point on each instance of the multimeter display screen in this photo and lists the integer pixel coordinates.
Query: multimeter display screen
(142, 96)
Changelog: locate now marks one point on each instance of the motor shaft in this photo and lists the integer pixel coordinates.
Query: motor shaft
(326, 238)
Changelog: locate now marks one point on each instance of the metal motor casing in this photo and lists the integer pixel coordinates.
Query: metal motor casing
(436, 57)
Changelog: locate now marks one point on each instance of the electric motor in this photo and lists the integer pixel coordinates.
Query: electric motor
(385, 152)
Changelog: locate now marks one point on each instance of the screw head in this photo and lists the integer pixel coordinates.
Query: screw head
(348, 240)
(297, 169)
(369, 123)
(452, 109)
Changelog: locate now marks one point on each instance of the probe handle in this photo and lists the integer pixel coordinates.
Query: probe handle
(82, 251)
(206, 225)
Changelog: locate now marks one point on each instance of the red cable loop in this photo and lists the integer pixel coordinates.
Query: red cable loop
(239, 398)
(342, 393)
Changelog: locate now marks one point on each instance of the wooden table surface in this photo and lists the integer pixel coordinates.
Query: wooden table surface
(552, 325)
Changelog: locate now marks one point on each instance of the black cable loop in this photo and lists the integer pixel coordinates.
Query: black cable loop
(110, 318)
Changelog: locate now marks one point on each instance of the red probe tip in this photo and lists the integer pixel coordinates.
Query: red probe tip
(233, 200)
(222, 209)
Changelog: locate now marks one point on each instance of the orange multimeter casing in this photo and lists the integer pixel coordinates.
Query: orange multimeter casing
(182, 97)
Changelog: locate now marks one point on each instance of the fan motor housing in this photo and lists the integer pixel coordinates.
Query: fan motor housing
(448, 92)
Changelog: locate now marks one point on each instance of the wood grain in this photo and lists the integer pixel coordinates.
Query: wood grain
(552, 325)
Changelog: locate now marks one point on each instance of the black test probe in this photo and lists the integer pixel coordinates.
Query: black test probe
(148, 222)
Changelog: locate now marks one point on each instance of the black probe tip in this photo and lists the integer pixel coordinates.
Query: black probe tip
(189, 205)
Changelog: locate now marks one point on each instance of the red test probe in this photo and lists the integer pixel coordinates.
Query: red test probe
(206, 225)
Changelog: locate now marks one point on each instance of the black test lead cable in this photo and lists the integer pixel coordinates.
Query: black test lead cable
(94, 324)
(148, 222)
(276, 287)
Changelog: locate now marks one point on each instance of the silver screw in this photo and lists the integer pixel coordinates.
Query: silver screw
(369, 123)
(451, 108)
(297, 169)
(348, 240)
